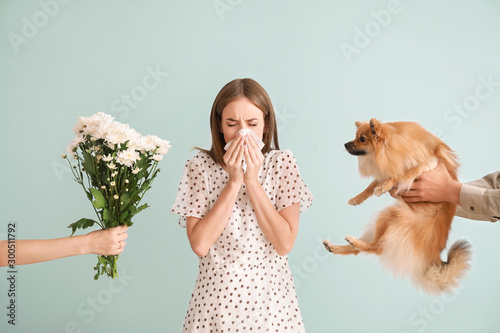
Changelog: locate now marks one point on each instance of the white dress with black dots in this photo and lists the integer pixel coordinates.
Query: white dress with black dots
(243, 285)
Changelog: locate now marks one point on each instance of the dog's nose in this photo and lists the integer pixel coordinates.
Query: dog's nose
(347, 145)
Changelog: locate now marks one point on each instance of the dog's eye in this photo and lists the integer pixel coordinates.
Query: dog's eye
(362, 139)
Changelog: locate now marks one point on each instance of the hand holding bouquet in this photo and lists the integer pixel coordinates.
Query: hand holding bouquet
(119, 166)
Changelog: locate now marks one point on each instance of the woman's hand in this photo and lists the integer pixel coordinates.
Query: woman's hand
(107, 242)
(233, 159)
(254, 159)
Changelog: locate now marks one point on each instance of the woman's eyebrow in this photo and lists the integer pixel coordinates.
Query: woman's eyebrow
(252, 119)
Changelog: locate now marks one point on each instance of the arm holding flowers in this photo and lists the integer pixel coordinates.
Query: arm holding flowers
(101, 242)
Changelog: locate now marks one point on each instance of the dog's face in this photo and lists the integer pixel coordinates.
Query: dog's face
(367, 134)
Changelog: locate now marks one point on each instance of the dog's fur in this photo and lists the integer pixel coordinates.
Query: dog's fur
(409, 237)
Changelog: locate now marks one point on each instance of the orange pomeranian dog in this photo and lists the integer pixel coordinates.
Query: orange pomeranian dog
(408, 237)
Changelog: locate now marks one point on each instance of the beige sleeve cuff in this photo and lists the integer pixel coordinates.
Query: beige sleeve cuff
(471, 199)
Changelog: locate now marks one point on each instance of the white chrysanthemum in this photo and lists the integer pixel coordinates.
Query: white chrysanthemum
(135, 141)
(89, 130)
(108, 158)
(163, 148)
(102, 126)
(73, 146)
(102, 117)
(95, 125)
(117, 135)
(78, 128)
(91, 126)
(147, 144)
(136, 170)
(127, 157)
(102, 130)
(157, 157)
(110, 145)
(152, 143)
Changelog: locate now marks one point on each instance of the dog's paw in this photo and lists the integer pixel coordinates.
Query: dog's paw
(350, 240)
(383, 188)
(327, 246)
(380, 190)
(355, 201)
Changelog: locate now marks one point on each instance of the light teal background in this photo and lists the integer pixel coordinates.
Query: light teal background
(81, 57)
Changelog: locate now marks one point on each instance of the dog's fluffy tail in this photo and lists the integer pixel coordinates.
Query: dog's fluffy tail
(445, 277)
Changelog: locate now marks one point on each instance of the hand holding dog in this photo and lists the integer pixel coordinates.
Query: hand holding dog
(432, 186)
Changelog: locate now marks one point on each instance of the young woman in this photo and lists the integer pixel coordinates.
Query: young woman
(242, 224)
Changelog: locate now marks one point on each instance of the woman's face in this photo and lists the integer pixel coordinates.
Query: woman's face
(239, 114)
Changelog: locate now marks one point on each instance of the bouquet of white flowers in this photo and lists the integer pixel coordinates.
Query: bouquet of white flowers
(120, 165)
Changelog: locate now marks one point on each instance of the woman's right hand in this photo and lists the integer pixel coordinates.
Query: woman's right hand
(107, 242)
(233, 159)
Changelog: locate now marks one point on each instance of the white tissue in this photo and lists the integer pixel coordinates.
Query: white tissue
(246, 132)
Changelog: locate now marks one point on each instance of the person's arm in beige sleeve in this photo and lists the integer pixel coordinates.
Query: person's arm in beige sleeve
(476, 200)
(480, 199)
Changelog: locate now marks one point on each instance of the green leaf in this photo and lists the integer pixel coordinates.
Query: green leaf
(105, 214)
(99, 201)
(125, 198)
(135, 192)
(103, 260)
(145, 185)
(124, 215)
(135, 199)
(88, 223)
(83, 223)
(140, 208)
(87, 163)
(96, 268)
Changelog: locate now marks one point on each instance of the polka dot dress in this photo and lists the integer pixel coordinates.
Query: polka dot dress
(243, 285)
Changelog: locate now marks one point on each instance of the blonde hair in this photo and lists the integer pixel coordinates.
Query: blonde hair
(254, 92)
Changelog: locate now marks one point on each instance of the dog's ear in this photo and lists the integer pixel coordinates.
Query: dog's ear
(376, 129)
(358, 123)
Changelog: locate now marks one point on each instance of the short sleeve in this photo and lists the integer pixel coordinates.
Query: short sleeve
(290, 186)
(192, 194)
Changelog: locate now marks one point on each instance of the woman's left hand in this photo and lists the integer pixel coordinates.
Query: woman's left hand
(254, 159)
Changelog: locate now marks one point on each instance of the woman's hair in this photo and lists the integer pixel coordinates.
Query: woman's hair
(254, 92)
